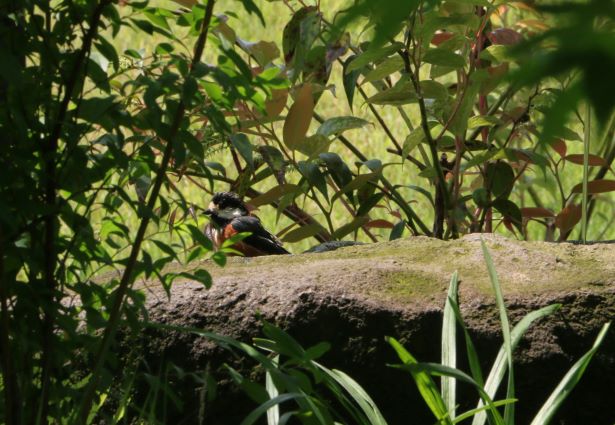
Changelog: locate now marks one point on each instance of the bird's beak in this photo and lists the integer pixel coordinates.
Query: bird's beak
(212, 209)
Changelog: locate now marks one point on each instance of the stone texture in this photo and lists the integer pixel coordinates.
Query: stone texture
(355, 296)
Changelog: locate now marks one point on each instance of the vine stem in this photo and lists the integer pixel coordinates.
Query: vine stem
(125, 283)
(586, 139)
(48, 152)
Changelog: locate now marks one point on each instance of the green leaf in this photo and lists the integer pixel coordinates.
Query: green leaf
(483, 121)
(373, 55)
(337, 125)
(201, 276)
(199, 237)
(369, 203)
(426, 386)
(359, 395)
(449, 346)
(356, 183)
(339, 170)
(314, 176)
(350, 80)
(499, 179)
(510, 211)
(303, 232)
(568, 382)
(415, 138)
(349, 228)
(444, 57)
(481, 197)
(387, 67)
(509, 412)
(273, 194)
(398, 230)
(400, 94)
(498, 369)
(497, 53)
(314, 145)
(244, 147)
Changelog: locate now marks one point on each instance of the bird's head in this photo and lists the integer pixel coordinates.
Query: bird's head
(226, 206)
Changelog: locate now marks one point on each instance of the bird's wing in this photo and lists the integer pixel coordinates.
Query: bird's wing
(260, 238)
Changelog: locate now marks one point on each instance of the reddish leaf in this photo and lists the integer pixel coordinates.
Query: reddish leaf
(276, 104)
(380, 224)
(299, 117)
(536, 212)
(568, 217)
(596, 186)
(559, 146)
(441, 37)
(592, 160)
(504, 36)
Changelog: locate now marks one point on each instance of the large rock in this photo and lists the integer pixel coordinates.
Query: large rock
(355, 296)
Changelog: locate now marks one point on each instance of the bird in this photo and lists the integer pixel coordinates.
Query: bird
(229, 216)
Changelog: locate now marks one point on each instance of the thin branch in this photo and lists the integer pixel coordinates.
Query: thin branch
(125, 283)
(393, 193)
(49, 152)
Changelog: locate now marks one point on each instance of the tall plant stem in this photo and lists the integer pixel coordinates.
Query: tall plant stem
(394, 194)
(49, 151)
(125, 283)
(586, 139)
(9, 378)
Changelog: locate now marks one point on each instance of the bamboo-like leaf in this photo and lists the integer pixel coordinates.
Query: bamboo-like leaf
(498, 370)
(269, 404)
(273, 414)
(449, 346)
(427, 387)
(509, 410)
(365, 402)
(568, 382)
(596, 186)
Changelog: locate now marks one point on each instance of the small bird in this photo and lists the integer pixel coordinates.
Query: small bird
(229, 215)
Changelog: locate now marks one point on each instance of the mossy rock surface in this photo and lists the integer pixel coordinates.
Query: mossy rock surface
(354, 296)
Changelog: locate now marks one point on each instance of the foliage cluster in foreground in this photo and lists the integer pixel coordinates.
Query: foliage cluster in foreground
(95, 141)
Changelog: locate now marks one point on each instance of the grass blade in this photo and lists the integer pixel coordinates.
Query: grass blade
(477, 374)
(365, 402)
(269, 404)
(427, 387)
(568, 382)
(500, 365)
(449, 346)
(481, 409)
(441, 370)
(273, 414)
(509, 409)
(586, 139)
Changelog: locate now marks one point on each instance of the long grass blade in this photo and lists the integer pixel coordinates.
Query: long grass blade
(436, 369)
(365, 402)
(472, 354)
(570, 380)
(500, 365)
(260, 410)
(474, 412)
(586, 139)
(449, 346)
(425, 384)
(509, 409)
(273, 414)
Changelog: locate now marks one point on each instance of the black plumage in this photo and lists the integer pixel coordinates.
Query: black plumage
(229, 216)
